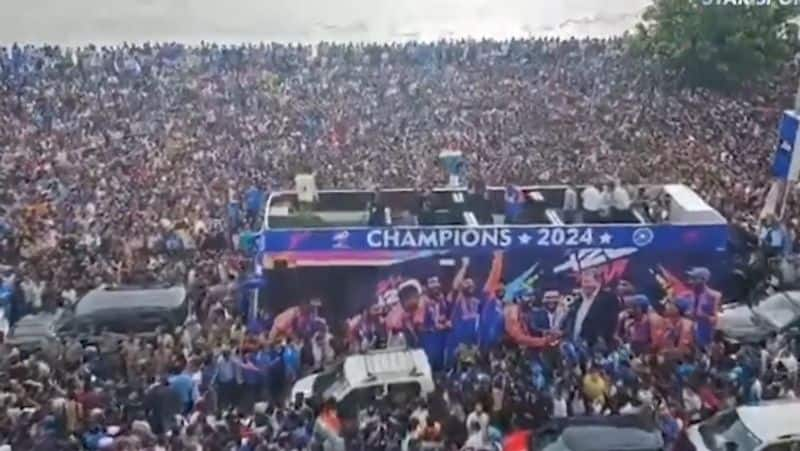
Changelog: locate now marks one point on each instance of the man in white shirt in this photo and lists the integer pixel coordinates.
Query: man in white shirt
(479, 417)
(33, 293)
(620, 200)
(591, 201)
(606, 202)
(570, 207)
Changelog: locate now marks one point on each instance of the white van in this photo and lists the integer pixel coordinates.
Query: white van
(400, 374)
(770, 426)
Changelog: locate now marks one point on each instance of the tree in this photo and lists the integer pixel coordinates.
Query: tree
(721, 46)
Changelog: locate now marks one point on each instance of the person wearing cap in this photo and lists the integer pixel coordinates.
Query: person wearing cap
(701, 304)
(634, 323)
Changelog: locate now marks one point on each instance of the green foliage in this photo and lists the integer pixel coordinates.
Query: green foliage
(719, 46)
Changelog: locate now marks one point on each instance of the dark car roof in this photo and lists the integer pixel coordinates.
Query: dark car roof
(643, 421)
(33, 327)
(613, 433)
(104, 298)
(605, 438)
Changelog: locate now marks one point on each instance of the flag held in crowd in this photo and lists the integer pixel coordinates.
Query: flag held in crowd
(786, 164)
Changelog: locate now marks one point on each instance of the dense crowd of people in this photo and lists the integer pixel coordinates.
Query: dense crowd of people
(145, 163)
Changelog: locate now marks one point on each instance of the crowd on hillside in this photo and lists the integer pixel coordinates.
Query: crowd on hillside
(145, 163)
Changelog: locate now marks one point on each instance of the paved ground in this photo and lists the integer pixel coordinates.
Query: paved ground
(75, 22)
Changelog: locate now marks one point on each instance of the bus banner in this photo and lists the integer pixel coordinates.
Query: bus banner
(666, 237)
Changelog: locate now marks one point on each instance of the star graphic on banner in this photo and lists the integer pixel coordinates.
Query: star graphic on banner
(525, 239)
(605, 238)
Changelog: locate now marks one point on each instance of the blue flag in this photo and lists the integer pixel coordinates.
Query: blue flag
(786, 164)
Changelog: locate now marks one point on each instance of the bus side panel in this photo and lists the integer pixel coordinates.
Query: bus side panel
(527, 272)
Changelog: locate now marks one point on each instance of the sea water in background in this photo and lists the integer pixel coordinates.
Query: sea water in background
(77, 22)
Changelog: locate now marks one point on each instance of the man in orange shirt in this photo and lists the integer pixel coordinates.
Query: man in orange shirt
(672, 334)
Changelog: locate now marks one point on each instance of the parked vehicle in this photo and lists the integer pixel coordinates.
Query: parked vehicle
(122, 310)
(772, 426)
(402, 375)
(779, 312)
(615, 433)
(126, 310)
(33, 332)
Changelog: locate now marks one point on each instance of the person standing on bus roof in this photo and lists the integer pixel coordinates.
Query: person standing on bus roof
(591, 202)
(514, 204)
(701, 304)
(254, 199)
(377, 210)
(570, 208)
(607, 203)
(620, 201)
